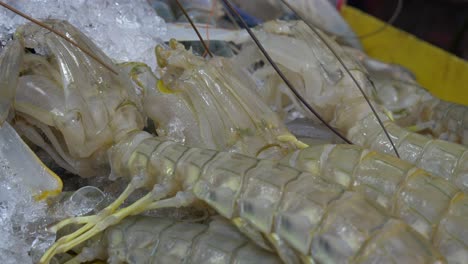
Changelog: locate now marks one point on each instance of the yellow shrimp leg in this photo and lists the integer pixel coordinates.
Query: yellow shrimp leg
(108, 217)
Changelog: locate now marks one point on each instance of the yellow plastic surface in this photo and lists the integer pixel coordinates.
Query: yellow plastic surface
(442, 73)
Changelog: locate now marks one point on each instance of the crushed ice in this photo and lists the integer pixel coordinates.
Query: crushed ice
(126, 30)
(22, 219)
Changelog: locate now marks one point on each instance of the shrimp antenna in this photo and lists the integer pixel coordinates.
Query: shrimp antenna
(39, 23)
(194, 28)
(280, 73)
(391, 20)
(348, 72)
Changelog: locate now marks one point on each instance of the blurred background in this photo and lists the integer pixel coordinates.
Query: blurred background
(443, 23)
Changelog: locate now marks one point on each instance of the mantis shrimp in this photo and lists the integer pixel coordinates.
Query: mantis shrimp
(395, 184)
(272, 203)
(412, 105)
(307, 60)
(144, 239)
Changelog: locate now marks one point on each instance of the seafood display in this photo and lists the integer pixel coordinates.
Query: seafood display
(211, 134)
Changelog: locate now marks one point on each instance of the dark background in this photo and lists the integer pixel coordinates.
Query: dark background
(443, 23)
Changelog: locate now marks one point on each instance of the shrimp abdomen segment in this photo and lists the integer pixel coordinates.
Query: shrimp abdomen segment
(221, 181)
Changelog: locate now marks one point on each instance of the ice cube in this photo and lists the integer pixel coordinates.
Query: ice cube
(84, 201)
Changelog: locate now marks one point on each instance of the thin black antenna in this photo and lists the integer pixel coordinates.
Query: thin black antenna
(39, 23)
(348, 72)
(194, 28)
(267, 56)
(388, 23)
